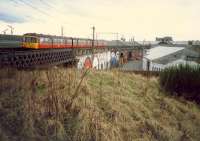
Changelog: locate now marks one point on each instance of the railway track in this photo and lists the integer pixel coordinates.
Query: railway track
(29, 58)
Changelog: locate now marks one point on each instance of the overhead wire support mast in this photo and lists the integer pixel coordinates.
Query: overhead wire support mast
(93, 35)
(11, 29)
(62, 31)
(93, 38)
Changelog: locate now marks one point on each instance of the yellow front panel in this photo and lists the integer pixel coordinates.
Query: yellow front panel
(31, 45)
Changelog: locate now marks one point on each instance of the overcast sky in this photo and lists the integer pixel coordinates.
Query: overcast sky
(143, 19)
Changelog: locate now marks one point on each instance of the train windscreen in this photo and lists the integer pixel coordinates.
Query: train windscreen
(29, 39)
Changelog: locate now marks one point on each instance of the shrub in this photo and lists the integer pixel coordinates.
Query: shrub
(182, 80)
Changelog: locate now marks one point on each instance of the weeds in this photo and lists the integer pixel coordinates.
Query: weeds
(182, 80)
(73, 105)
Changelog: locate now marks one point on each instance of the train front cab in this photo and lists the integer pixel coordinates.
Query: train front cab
(31, 42)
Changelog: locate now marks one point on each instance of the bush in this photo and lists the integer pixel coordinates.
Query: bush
(182, 80)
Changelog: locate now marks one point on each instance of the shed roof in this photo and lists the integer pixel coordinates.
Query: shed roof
(160, 51)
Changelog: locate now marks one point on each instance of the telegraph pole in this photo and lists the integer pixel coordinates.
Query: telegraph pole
(93, 35)
(117, 34)
(62, 31)
(93, 40)
(11, 29)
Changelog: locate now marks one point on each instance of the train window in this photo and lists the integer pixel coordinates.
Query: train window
(49, 40)
(75, 42)
(31, 39)
(42, 40)
(62, 41)
(86, 42)
(90, 42)
(45, 40)
(55, 40)
(69, 41)
(81, 42)
(78, 42)
(65, 41)
(95, 43)
(59, 41)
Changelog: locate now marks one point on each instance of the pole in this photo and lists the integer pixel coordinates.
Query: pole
(93, 36)
(11, 29)
(62, 31)
(117, 38)
(93, 39)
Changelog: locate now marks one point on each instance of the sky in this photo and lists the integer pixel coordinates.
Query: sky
(138, 19)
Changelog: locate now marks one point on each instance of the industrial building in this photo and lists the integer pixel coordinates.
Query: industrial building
(158, 58)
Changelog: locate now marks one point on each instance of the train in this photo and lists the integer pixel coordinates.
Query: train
(35, 50)
(42, 41)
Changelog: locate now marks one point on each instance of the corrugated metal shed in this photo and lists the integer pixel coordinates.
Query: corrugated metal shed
(160, 51)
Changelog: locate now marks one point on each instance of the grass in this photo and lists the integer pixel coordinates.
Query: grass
(182, 80)
(73, 105)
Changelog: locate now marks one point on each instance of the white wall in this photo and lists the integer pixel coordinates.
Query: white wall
(100, 60)
(80, 64)
(144, 64)
(159, 67)
(152, 66)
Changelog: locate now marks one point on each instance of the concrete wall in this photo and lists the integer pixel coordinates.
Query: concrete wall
(152, 65)
(158, 67)
(108, 59)
(80, 64)
(99, 61)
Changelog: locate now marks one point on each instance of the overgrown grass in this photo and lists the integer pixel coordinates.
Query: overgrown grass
(72, 105)
(182, 80)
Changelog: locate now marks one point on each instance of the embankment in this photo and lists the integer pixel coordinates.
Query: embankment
(70, 105)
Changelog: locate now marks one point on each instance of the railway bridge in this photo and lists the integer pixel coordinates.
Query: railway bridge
(35, 50)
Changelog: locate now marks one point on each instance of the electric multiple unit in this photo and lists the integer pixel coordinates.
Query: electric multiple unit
(40, 41)
(33, 50)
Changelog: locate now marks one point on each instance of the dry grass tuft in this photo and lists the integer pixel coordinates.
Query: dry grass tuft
(72, 105)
